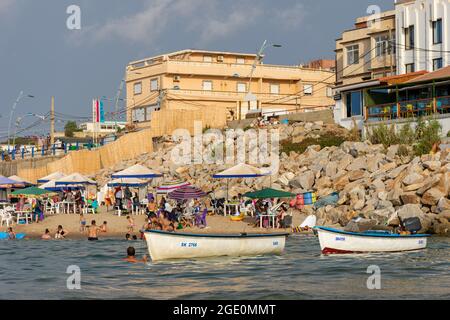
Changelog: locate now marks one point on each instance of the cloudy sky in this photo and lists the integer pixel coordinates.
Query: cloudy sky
(42, 57)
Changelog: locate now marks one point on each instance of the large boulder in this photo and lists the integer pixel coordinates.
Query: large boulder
(432, 196)
(412, 178)
(412, 211)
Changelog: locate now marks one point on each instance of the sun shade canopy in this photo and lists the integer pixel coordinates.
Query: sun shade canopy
(269, 194)
(31, 192)
(74, 178)
(50, 177)
(241, 171)
(187, 193)
(137, 171)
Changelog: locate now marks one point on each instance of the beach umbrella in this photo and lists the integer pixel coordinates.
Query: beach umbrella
(168, 187)
(240, 171)
(74, 179)
(50, 177)
(51, 186)
(128, 182)
(187, 193)
(137, 171)
(21, 181)
(6, 183)
(269, 194)
(31, 192)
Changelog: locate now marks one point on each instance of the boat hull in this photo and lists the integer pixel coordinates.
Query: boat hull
(341, 242)
(166, 246)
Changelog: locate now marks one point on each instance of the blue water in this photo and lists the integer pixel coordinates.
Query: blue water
(34, 269)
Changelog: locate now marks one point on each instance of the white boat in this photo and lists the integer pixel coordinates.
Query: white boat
(337, 241)
(167, 245)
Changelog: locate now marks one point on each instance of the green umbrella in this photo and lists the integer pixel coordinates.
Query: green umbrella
(269, 194)
(32, 192)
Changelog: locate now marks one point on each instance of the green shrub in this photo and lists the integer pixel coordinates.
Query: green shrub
(425, 135)
(326, 140)
(428, 133)
(448, 134)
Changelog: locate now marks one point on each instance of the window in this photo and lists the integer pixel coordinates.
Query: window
(275, 89)
(409, 67)
(138, 115)
(207, 59)
(240, 61)
(437, 64)
(207, 85)
(381, 45)
(138, 88)
(154, 85)
(437, 31)
(353, 54)
(308, 89)
(409, 38)
(354, 104)
(241, 87)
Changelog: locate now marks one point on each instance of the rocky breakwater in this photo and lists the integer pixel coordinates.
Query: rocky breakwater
(371, 181)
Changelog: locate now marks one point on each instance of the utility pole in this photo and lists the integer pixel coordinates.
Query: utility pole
(52, 122)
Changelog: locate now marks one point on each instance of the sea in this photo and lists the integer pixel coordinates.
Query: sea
(79, 269)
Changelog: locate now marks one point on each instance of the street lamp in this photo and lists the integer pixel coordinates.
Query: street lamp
(21, 95)
(19, 120)
(259, 58)
(119, 93)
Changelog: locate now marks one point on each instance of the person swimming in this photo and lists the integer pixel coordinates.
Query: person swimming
(46, 235)
(104, 227)
(131, 256)
(61, 233)
(11, 234)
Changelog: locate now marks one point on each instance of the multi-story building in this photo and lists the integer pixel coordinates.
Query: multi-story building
(364, 54)
(195, 79)
(423, 35)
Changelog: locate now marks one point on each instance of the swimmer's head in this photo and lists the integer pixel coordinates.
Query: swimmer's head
(131, 252)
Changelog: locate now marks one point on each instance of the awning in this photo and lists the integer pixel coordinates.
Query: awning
(187, 193)
(75, 178)
(171, 186)
(269, 194)
(128, 182)
(241, 171)
(53, 176)
(137, 171)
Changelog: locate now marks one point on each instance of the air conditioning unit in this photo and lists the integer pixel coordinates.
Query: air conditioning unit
(176, 78)
(220, 59)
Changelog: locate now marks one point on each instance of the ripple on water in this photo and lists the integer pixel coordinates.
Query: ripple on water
(37, 270)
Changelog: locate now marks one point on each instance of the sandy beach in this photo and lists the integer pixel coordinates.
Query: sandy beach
(118, 226)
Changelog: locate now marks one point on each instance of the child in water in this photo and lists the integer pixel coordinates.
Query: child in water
(82, 223)
(130, 224)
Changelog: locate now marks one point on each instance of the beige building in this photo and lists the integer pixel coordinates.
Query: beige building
(194, 80)
(367, 52)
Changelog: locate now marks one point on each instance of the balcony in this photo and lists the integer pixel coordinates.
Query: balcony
(408, 109)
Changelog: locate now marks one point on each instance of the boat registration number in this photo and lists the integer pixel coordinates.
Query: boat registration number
(189, 244)
(340, 238)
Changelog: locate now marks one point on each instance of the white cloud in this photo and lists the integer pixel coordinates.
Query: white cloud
(203, 21)
(292, 17)
(204, 18)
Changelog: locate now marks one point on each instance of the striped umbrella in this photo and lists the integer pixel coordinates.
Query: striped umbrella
(187, 193)
(168, 187)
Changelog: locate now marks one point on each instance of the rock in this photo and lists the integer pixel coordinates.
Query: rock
(428, 184)
(392, 151)
(432, 165)
(413, 178)
(443, 205)
(306, 180)
(413, 187)
(413, 210)
(388, 166)
(358, 164)
(396, 172)
(410, 198)
(331, 169)
(432, 196)
(340, 183)
(356, 175)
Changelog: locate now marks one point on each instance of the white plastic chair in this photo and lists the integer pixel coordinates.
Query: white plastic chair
(6, 217)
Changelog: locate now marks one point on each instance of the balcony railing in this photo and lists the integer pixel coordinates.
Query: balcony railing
(408, 109)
